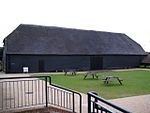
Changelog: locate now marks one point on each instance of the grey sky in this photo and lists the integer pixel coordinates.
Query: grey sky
(131, 17)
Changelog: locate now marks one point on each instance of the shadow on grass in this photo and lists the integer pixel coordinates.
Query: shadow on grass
(91, 79)
(112, 85)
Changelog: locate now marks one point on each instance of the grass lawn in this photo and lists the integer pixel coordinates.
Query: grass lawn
(134, 83)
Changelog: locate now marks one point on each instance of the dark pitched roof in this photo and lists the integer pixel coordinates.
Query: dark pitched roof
(34, 39)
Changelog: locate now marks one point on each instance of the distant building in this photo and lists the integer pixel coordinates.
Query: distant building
(146, 60)
(1, 53)
(1, 56)
(44, 49)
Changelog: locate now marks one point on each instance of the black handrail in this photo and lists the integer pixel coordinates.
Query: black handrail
(48, 79)
(97, 98)
(20, 77)
(74, 92)
(25, 77)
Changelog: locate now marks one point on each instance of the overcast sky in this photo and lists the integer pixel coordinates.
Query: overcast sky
(131, 17)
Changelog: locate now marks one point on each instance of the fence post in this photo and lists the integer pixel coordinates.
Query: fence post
(73, 102)
(94, 103)
(80, 103)
(89, 103)
(49, 80)
(46, 96)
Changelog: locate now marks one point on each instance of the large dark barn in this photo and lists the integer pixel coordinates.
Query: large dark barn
(45, 49)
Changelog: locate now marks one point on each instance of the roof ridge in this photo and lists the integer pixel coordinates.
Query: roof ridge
(67, 28)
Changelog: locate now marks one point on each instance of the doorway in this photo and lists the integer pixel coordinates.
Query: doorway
(96, 62)
(41, 66)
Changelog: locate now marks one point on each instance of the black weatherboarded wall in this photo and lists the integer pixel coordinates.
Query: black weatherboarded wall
(44, 49)
(42, 63)
(46, 63)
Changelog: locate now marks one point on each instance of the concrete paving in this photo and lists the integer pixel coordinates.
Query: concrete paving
(13, 75)
(135, 104)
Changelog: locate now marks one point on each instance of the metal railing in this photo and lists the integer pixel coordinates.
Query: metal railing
(66, 98)
(20, 92)
(97, 104)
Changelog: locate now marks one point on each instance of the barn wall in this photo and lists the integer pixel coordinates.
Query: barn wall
(121, 61)
(15, 63)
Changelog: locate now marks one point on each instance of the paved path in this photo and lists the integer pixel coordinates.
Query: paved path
(13, 75)
(135, 104)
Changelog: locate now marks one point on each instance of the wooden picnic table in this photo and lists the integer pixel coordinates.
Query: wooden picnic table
(91, 73)
(107, 79)
(70, 71)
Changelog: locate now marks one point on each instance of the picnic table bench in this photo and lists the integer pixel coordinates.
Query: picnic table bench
(107, 79)
(70, 71)
(91, 73)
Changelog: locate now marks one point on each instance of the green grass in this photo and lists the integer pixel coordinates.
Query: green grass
(134, 83)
